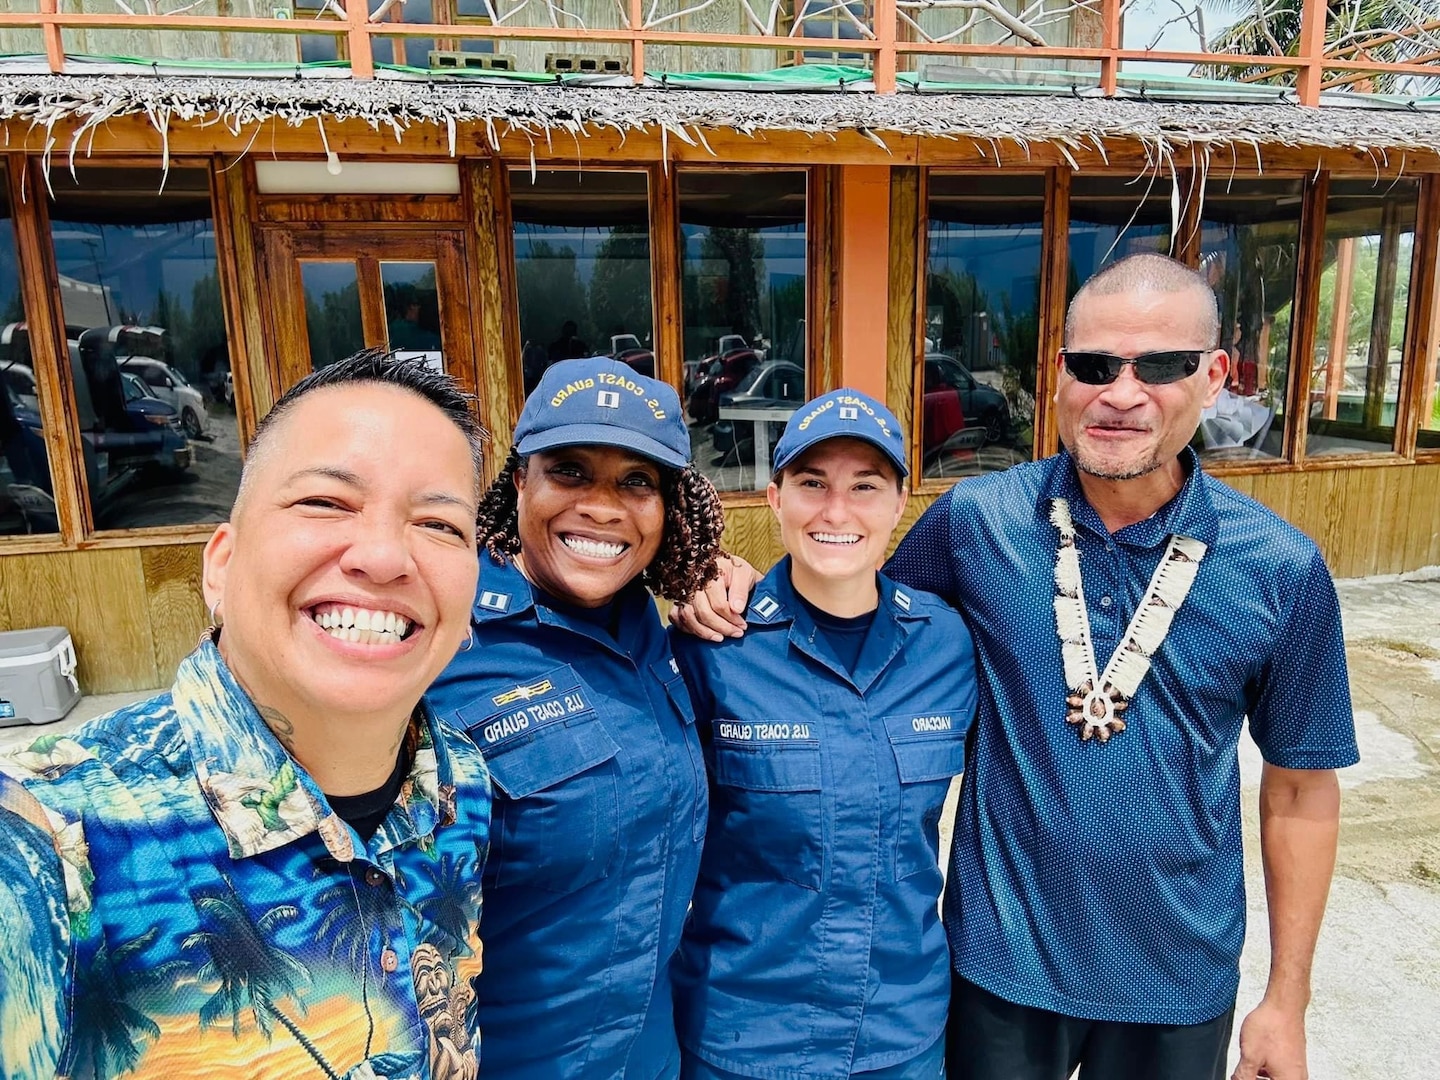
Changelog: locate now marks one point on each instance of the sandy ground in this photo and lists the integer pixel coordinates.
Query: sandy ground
(1376, 1008)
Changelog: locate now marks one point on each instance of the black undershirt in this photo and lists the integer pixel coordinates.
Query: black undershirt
(846, 637)
(366, 811)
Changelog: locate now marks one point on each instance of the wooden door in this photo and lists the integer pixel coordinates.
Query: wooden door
(334, 289)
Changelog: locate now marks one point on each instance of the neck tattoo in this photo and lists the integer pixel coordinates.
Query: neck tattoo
(1096, 699)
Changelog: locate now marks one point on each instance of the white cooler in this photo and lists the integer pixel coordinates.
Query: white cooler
(37, 675)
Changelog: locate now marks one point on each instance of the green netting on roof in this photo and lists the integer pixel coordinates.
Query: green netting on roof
(795, 77)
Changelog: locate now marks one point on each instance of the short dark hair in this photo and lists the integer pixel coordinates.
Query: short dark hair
(1148, 271)
(384, 368)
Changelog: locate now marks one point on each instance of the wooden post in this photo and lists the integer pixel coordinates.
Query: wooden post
(665, 277)
(54, 44)
(49, 350)
(864, 238)
(1339, 324)
(240, 276)
(491, 261)
(636, 19)
(885, 60)
(906, 305)
(362, 57)
(1110, 31)
(1377, 366)
(1054, 299)
(1310, 263)
(1312, 51)
(1422, 326)
(822, 279)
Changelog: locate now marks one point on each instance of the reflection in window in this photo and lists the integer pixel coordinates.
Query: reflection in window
(742, 259)
(412, 310)
(1111, 217)
(141, 299)
(582, 268)
(982, 323)
(1249, 235)
(27, 502)
(333, 323)
(1360, 325)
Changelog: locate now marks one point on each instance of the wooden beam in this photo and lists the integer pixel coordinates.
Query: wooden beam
(822, 280)
(1422, 325)
(1311, 51)
(885, 60)
(358, 31)
(1054, 300)
(864, 234)
(905, 305)
(54, 45)
(1377, 364)
(490, 248)
(1340, 298)
(665, 275)
(1310, 264)
(635, 17)
(240, 294)
(1110, 37)
(49, 350)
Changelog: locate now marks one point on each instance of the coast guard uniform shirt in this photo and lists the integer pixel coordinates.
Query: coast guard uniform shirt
(178, 899)
(1105, 881)
(599, 815)
(814, 947)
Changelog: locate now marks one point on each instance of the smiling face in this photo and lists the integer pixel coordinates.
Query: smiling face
(1130, 429)
(591, 520)
(346, 574)
(837, 505)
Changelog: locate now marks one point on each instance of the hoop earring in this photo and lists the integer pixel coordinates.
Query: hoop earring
(215, 615)
(469, 640)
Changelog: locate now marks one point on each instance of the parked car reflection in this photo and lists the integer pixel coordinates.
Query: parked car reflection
(777, 385)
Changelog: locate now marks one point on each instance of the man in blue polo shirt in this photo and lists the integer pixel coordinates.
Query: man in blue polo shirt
(1129, 613)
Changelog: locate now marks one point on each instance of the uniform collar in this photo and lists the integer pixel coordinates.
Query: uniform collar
(505, 593)
(1190, 513)
(262, 798)
(775, 603)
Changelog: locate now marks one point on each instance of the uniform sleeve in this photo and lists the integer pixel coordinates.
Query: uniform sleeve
(925, 558)
(1300, 712)
(35, 960)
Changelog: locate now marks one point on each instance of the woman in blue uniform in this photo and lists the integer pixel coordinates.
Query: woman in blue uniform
(832, 730)
(571, 691)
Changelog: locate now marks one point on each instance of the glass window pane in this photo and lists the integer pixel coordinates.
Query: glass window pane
(146, 328)
(1249, 236)
(742, 260)
(1429, 436)
(412, 311)
(582, 268)
(333, 322)
(1360, 331)
(27, 503)
(1111, 217)
(982, 323)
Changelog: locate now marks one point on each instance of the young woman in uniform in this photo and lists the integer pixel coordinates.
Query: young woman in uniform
(831, 730)
(571, 691)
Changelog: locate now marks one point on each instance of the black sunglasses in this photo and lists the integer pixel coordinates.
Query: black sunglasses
(1155, 368)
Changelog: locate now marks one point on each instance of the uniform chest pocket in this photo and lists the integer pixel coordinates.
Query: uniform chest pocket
(929, 752)
(556, 816)
(766, 810)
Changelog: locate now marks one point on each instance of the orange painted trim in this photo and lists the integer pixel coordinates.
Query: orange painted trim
(864, 233)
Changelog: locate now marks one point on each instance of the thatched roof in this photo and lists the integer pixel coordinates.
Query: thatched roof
(394, 105)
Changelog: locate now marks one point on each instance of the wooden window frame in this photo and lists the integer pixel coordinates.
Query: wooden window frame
(44, 316)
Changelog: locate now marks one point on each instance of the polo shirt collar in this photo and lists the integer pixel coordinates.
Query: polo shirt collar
(262, 798)
(1190, 513)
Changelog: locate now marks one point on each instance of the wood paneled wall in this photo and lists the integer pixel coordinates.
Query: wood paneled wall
(134, 612)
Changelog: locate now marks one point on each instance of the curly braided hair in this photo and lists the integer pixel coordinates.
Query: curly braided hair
(694, 520)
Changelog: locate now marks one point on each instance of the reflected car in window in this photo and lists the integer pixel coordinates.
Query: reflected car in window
(778, 385)
(171, 387)
(155, 439)
(725, 373)
(954, 400)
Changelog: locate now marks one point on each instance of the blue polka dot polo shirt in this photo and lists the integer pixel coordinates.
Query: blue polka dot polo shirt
(1105, 881)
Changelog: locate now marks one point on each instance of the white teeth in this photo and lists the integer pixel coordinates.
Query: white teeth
(835, 538)
(362, 625)
(596, 549)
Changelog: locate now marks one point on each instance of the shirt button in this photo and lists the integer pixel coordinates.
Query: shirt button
(389, 961)
(1105, 601)
(374, 877)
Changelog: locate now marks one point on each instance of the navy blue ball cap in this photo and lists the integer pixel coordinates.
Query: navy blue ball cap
(842, 414)
(599, 401)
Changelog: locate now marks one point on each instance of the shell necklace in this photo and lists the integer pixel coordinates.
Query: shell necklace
(1096, 699)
